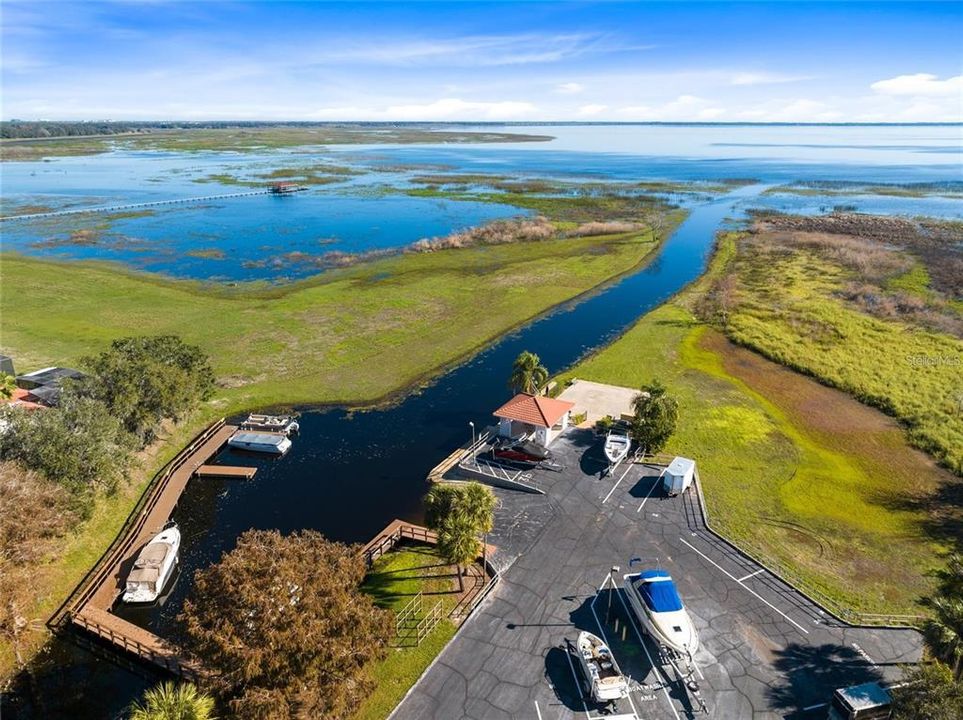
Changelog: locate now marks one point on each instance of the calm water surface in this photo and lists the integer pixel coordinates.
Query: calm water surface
(348, 474)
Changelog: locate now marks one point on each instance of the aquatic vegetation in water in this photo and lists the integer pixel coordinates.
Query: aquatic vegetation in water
(206, 253)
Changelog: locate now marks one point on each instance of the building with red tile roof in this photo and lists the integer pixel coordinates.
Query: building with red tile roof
(540, 417)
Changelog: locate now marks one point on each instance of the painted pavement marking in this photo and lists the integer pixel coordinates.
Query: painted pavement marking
(744, 586)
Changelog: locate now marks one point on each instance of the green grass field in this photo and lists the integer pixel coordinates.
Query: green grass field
(394, 580)
(347, 336)
(815, 482)
(791, 308)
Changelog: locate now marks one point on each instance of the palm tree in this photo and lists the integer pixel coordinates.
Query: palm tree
(528, 373)
(168, 701)
(459, 513)
(944, 632)
(8, 385)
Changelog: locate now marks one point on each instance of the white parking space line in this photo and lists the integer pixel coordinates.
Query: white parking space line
(605, 638)
(657, 668)
(815, 707)
(745, 587)
(537, 711)
(752, 574)
(617, 483)
(648, 494)
(578, 685)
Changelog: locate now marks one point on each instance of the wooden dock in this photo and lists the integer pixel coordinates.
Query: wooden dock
(89, 606)
(225, 471)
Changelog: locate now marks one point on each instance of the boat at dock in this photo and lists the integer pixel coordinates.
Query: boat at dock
(656, 602)
(265, 442)
(153, 567)
(617, 446)
(272, 423)
(603, 679)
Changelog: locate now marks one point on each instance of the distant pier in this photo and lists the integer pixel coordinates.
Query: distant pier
(152, 203)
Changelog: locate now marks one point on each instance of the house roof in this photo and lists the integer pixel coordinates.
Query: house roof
(534, 409)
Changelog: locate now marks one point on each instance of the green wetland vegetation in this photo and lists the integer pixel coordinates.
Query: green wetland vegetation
(817, 483)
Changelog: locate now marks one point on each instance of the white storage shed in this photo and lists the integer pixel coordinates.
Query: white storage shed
(678, 476)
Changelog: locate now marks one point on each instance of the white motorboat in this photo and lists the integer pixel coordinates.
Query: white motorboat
(272, 423)
(603, 679)
(265, 442)
(153, 567)
(657, 604)
(617, 446)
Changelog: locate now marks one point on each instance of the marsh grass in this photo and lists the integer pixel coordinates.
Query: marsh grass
(809, 478)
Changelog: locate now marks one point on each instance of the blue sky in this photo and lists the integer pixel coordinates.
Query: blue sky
(623, 61)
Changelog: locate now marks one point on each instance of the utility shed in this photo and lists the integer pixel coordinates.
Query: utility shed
(678, 476)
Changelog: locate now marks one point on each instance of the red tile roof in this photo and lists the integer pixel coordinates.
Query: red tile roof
(534, 409)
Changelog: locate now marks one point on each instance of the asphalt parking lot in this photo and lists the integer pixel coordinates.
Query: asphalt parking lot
(765, 652)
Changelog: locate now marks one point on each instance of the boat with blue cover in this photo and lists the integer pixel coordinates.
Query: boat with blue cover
(655, 600)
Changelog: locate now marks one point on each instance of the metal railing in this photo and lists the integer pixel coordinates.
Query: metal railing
(805, 587)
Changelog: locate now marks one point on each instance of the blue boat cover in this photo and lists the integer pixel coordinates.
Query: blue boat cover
(658, 591)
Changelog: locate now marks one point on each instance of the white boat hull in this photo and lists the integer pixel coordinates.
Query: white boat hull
(263, 442)
(153, 567)
(673, 629)
(616, 447)
(603, 678)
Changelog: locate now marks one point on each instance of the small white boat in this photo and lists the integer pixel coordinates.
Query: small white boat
(657, 604)
(272, 423)
(617, 446)
(603, 679)
(153, 567)
(265, 442)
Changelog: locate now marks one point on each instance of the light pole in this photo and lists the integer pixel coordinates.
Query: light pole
(612, 573)
(474, 456)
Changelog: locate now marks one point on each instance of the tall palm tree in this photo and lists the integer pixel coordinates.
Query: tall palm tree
(459, 514)
(528, 373)
(8, 385)
(169, 701)
(944, 632)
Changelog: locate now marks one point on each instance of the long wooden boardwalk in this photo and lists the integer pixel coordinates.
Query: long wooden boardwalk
(89, 606)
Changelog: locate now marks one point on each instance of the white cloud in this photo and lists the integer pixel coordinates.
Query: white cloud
(444, 109)
(591, 110)
(765, 78)
(569, 88)
(920, 85)
(684, 107)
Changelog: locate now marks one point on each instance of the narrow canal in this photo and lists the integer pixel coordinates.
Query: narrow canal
(349, 474)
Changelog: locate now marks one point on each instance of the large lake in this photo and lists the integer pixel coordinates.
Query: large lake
(348, 474)
(284, 238)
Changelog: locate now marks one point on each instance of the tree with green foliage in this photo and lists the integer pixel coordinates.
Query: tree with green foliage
(459, 514)
(170, 701)
(528, 373)
(79, 444)
(656, 416)
(8, 386)
(284, 628)
(944, 632)
(929, 692)
(145, 379)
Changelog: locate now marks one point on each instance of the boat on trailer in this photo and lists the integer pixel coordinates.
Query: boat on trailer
(603, 679)
(520, 451)
(656, 602)
(271, 423)
(265, 442)
(153, 567)
(617, 446)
